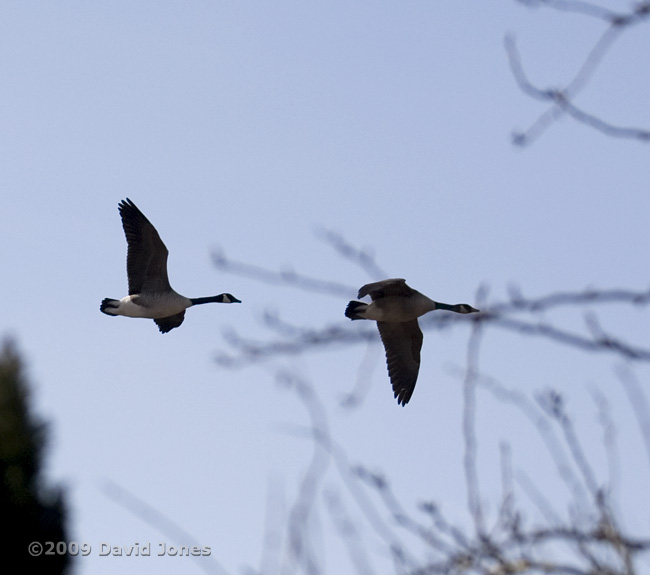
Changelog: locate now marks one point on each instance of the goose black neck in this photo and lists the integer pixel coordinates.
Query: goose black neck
(211, 299)
(446, 306)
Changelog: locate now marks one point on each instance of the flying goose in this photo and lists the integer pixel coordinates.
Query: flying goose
(150, 294)
(396, 308)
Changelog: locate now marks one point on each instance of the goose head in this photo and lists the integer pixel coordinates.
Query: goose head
(465, 308)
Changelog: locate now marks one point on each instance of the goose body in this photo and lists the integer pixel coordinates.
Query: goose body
(150, 294)
(396, 308)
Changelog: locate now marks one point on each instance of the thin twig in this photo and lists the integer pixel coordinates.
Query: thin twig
(160, 522)
(563, 100)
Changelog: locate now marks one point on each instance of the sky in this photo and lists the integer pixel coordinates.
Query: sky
(251, 127)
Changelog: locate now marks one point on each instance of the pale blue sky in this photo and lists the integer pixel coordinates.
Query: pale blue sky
(247, 126)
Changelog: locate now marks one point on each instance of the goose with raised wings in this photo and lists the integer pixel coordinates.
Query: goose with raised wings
(150, 294)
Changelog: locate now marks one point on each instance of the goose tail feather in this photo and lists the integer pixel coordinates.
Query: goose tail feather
(108, 304)
(355, 310)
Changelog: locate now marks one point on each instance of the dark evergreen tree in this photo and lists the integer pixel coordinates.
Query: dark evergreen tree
(31, 513)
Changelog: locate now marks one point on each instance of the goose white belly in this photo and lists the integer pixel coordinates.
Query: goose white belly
(152, 306)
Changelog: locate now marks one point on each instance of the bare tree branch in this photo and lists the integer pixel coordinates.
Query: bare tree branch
(284, 277)
(364, 258)
(576, 6)
(159, 521)
(609, 440)
(563, 100)
(639, 404)
(469, 434)
(300, 542)
(553, 404)
(349, 534)
(584, 538)
(287, 339)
